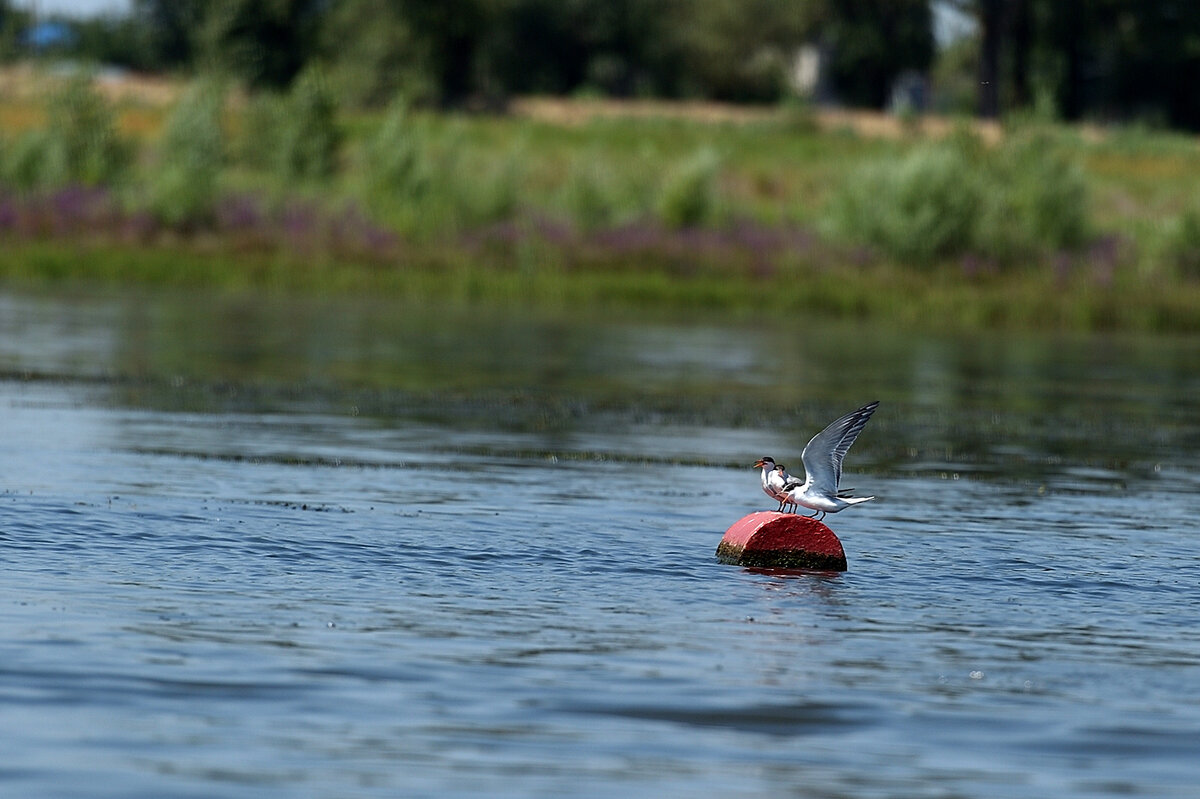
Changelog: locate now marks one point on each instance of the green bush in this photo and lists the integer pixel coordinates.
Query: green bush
(1020, 199)
(191, 155)
(922, 207)
(1180, 243)
(83, 145)
(1036, 200)
(257, 142)
(309, 136)
(487, 192)
(688, 196)
(79, 144)
(23, 160)
(589, 195)
(397, 166)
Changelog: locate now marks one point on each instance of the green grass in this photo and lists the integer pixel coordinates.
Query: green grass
(918, 299)
(1051, 228)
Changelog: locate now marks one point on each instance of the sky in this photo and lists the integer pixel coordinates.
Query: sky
(75, 8)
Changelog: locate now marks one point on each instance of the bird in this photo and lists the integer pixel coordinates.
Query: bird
(772, 485)
(780, 478)
(822, 458)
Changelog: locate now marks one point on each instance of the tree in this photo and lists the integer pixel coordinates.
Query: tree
(618, 47)
(8, 27)
(872, 42)
(740, 49)
(1107, 58)
(169, 30)
(264, 42)
(374, 53)
(454, 33)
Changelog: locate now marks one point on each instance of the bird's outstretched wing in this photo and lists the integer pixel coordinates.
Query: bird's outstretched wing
(823, 454)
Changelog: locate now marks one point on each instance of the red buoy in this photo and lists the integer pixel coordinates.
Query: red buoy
(782, 541)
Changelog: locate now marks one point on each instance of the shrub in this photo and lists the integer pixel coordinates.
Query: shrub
(309, 137)
(588, 194)
(23, 161)
(1025, 197)
(79, 144)
(1180, 244)
(191, 154)
(485, 193)
(687, 197)
(923, 207)
(81, 139)
(1036, 200)
(397, 167)
(257, 144)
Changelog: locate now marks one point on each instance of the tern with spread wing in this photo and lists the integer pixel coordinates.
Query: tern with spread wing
(822, 459)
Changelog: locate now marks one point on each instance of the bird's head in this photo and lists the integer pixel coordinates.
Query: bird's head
(768, 463)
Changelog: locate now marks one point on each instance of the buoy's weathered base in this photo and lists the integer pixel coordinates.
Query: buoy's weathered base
(782, 541)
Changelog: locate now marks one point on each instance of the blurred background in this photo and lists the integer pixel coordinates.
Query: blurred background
(1042, 149)
(1074, 60)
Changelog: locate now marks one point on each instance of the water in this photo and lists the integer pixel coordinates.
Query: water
(347, 549)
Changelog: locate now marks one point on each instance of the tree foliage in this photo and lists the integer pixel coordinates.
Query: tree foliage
(873, 41)
(264, 42)
(1111, 59)
(472, 52)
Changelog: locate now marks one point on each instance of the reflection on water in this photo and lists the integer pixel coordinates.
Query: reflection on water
(1084, 408)
(360, 549)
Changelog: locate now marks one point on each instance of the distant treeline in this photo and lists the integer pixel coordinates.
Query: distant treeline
(1072, 59)
(1102, 59)
(455, 52)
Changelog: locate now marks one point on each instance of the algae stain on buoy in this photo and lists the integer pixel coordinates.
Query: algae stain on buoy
(768, 539)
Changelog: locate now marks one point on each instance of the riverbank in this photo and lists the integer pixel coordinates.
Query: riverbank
(550, 276)
(640, 206)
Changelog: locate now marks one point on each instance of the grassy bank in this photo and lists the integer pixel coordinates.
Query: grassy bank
(930, 300)
(774, 211)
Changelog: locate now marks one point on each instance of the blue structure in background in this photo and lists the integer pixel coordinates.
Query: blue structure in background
(48, 36)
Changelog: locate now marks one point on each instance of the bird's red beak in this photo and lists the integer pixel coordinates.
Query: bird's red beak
(758, 464)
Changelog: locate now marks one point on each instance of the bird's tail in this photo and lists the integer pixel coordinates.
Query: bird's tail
(855, 500)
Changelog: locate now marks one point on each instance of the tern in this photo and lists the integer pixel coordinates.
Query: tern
(772, 481)
(780, 479)
(822, 458)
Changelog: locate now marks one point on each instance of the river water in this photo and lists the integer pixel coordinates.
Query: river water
(269, 547)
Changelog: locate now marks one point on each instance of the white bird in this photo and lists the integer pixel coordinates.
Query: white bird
(772, 480)
(822, 458)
